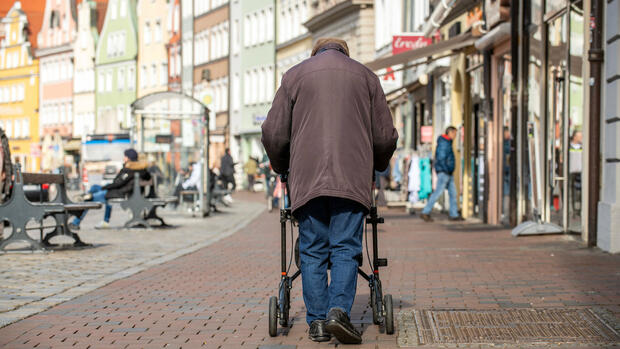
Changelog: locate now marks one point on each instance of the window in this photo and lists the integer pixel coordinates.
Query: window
(120, 83)
(154, 75)
(143, 78)
(246, 31)
(9, 128)
(163, 74)
(108, 81)
(255, 29)
(120, 113)
(246, 88)
(63, 114)
(101, 82)
(270, 83)
(261, 85)
(262, 29)
(235, 36)
(212, 42)
(18, 129)
(270, 24)
(121, 44)
(236, 99)
(20, 92)
(123, 8)
(112, 9)
(131, 79)
(147, 33)
(26, 127)
(63, 71)
(158, 33)
(13, 94)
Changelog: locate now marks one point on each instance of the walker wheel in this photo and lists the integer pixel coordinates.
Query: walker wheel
(273, 316)
(389, 314)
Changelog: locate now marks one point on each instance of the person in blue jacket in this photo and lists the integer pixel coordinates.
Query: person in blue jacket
(444, 166)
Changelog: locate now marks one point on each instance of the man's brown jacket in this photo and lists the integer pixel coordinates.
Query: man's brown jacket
(329, 125)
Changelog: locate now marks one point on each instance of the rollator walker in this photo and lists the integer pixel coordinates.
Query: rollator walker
(279, 306)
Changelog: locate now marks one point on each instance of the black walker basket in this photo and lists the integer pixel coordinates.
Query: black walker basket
(279, 306)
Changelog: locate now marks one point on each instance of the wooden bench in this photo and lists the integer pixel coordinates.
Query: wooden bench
(18, 211)
(143, 208)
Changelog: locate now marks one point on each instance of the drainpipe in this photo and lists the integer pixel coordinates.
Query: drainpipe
(595, 57)
(439, 14)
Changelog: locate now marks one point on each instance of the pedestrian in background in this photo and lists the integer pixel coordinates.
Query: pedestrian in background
(227, 170)
(329, 127)
(121, 187)
(444, 167)
(251, 169)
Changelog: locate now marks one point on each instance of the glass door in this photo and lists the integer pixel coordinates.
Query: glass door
(556, 147)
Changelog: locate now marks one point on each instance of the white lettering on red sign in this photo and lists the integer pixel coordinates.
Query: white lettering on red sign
(403, 43)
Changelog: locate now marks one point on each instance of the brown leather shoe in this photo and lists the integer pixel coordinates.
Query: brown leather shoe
(426, 218)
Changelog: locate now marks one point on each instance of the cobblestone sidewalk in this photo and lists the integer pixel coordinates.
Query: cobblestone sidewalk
(32, 282)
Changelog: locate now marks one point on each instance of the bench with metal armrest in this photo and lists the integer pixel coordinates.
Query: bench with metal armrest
(143, 208)
(18, 211)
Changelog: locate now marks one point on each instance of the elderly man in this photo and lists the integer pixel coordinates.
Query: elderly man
(329, 127)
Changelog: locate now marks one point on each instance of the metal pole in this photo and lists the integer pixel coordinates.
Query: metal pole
(595, 56)
(141, 134)
(488, 115)
(206, 200)
(514, 109)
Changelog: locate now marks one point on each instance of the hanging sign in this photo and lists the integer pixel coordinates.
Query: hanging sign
(407, 42)
(426, 134)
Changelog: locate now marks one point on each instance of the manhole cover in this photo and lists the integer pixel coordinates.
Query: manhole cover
(422, 327)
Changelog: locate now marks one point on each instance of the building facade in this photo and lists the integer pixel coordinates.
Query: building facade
(294, 42)
(608, 236)
(55, 53)
(211, 69)
(84, 109)
(19, 83)
(253, 74)
(115, 70)
(174, 46)
(349, 20)
(152, 39)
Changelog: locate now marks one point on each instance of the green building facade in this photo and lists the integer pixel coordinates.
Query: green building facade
(115, 60)
(252, 74)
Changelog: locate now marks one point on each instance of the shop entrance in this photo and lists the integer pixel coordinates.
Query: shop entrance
(564, 118)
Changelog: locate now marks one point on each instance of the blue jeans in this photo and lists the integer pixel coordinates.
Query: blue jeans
(443, 180)
(98, 196)
(330, 230)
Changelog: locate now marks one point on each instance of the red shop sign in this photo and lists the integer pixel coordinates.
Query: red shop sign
(403, 43)
(426, 134)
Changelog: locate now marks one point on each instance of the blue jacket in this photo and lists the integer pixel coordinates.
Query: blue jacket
(444, 155)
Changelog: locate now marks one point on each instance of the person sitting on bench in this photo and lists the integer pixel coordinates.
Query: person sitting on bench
(192, 183)
(121, 186)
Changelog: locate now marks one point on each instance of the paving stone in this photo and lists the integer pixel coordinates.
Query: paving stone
(31, 283)
(217, 296)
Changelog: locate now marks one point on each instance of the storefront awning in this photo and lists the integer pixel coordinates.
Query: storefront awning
(456, 43)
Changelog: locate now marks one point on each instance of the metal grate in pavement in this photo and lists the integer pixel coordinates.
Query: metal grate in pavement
(422, 327)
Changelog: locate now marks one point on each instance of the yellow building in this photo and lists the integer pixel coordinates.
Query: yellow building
(19, 88)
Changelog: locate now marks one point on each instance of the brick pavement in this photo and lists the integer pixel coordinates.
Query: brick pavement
(217, 297)
(32, 282)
